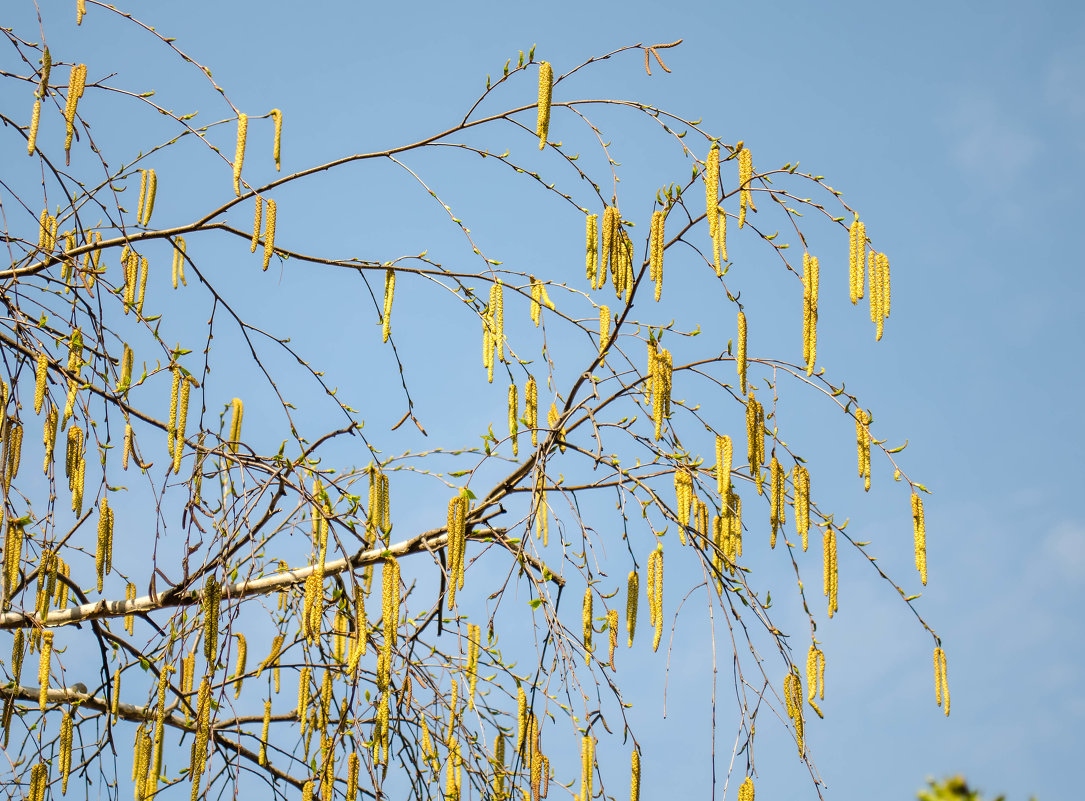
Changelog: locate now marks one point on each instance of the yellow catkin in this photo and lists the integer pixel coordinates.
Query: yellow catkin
(546, 88)
(474, 634)
(856, 259)
(941, 679)
(879, 291)
(604, 328)
(810, 310)
(521, 719)
(76, 82)
(587, 774)
(655, 262)
(740, 358)
(127, 358)
(592, 248)
(115, 706)
(862, 442)
(587, 621)
(815, 677)
(67, 728)
(390, 600)
(612, 631)
(148, 187)
(553, 417)
(257, 221)
(683, 492)
(39, 781)
(240, 670)
(352, 776)
(276, 148)
(776, 498)
(264, 732)
(655, 593)
(15, 450)
(303, 695)
(126, 450)
(269, 234)
(611, 221)
(632, 595)
(513, 425)
(755, 439)
(800, 480)
(829, 569)
(712, 187)
(389, 294)
(144, 273)
(179, 261)
(239, 152)
(32, 139)
(745, 790)
(531, 409)
(212, 598)
(238, 410)
(175, 388)
(745, 175)
(182, 418)
(80, 11)
(43, 667)
(919, 528)
(457, 537)
(724, 456)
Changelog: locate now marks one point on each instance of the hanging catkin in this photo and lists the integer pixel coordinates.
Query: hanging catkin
(389, 293)
(239, 152)
(546, 87)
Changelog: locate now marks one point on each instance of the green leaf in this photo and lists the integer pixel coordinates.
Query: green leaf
(535, 603)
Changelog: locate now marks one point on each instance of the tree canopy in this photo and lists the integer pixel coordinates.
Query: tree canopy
(293, 536)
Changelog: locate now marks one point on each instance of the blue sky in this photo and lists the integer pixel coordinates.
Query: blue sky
(955, 129)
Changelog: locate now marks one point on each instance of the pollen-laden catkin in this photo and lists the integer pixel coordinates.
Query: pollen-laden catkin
(258, 220)
(67, 730)
(829, 569)
(553, 417)
(879, 291)
(276, 148)
(655, 593)
(755, 439)
(144, 272)
(239, 152)
(941, 680)
(35, 118)
(127, 357)
(269, 234)
(49, 436)
(175, 388)
(238, 410)
(862, 442)
(777, 498)
(586, 618)
(655, 263)
(587, 773)
(815, 677)
(856, 259)
(178, 268)
(745, 790)
(683, 493)
(39, 781)
(740, 358)
(660, 379)
(304, 676)
(13, 554)
(745, 175)
(77, 79)
(264, 732)
(521, 719)
(800, 480)
(130, 620)
(632, 595)
(182, 421)
(724, 456)
(352, 776)
(474, 635)
(531, 409)
(15, 450)
(212, 598)
(513, 424)
(810, 311)
(457, 538)
(126, 449)
(148, 187)
(389, 294)
(919, 528)
(239, 672)
(390, 601)
(604, 328)
(793, 697)
(608, 254)
(43, 667)
(712, 187)
(591, 260)
(612, 632)
(546, 88)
